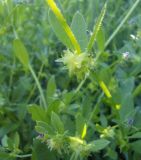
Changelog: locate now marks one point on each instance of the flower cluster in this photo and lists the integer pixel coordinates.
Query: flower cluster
(56, 143)
(108, 133)
(77, 64)
(79, 146)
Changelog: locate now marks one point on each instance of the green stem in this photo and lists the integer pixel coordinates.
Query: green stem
(39, 86)
(11, 76)
(34, 87)
(23, 156)
(81, 84)
(95, 109)
(122, 23)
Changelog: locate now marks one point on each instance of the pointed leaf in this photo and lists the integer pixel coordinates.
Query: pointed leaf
(57, 123)
(42, 152)
(79, 28)
(16, 140)
(43, 128)
(21, 52)
(99, 144)
(38, 113)
(51, 89)
(80, 122)
(136, 135)
(100, 40)
(136, 146)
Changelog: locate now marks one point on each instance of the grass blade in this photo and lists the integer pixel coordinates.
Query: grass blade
(97, 28)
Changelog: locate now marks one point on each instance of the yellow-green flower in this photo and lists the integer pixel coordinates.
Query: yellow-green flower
(79, 146)
(56, 143)
(108, 132)
(77, 64)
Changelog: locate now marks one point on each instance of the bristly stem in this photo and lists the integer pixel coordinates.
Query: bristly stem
(64, 24)
(122, 22)
(96, 28)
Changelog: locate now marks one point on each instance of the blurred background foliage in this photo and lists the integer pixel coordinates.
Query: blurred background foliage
(29, 20)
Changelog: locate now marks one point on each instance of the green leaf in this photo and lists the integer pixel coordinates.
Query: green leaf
(38, 113)
(57, 123)
(4, 141)
(137, 90)
(100, 40)
(67, 97)
(99, 144)
(126, 98)
(136, 69)
(97, 28)
(79, 124)
(127, 85)
(51, 89)
(79, 29)
(59, 30)
(12, 142)
(6, 156)
(43, 128)
(127, 107)
(21, 52)
(136, 146)
(41, 151)
(7, 128)
(137, 118)
(16, 140)
(136, 135)
(54, 106)
(111, 153)
(103, 120)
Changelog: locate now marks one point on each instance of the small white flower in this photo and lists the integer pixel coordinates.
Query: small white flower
(125, 55)
(133, 37)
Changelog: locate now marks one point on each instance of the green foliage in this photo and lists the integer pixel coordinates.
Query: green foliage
(86, 107)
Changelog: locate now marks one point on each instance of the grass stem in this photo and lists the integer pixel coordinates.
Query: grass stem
(39, 86)
(122, 23)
